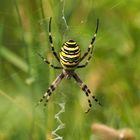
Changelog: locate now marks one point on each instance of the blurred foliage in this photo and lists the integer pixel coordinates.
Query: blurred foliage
(113, 74)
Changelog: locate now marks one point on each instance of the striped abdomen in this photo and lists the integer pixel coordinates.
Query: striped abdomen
(70, 55)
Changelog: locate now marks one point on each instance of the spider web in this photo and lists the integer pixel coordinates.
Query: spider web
(62, 105)
(61, 124)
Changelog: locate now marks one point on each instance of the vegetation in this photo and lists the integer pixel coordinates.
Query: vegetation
(113, 73)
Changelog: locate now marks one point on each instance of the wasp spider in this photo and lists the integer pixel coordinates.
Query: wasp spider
(69, 58)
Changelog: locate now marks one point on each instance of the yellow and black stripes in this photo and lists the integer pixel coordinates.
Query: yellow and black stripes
(70, 52)
(51, 41)
(69, 58)
(70, 55)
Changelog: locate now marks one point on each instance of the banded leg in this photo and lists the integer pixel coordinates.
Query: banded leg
(51, 42)
(52, 87)
(84, 65)
(86, 91)
(92, 41)
(46, 61)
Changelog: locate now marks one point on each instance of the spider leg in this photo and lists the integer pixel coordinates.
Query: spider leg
(51, 41)
(91, 45)
(46, 61)
(90, 56)
(86, 91)
(52, 87)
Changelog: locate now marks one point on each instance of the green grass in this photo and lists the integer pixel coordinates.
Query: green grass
(113, 74)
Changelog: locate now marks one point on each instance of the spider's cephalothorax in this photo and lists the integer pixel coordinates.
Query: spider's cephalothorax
(70, 55)
(69, 59)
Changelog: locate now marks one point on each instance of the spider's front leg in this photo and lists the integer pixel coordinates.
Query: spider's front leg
(52, 87)
(51, 41)
(90, 48)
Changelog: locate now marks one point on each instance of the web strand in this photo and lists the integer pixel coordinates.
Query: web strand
(61, 124)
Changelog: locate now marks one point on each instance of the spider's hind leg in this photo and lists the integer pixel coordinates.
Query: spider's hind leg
(86, 91)
(52, 87)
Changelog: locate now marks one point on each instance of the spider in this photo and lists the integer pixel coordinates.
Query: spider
(69, 58)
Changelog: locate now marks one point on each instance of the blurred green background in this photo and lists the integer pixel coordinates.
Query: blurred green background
(113, 74)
